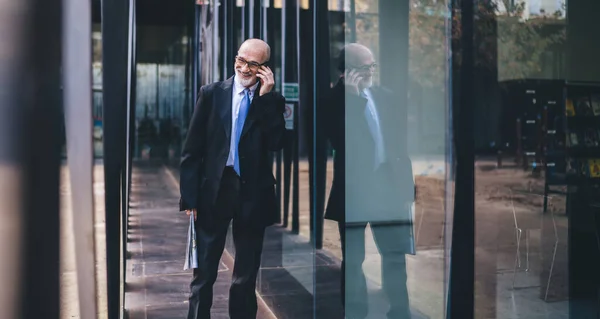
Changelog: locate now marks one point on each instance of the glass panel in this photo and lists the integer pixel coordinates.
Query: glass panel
(537, 78)
(97, 90)
(385, 121)
(161, 89)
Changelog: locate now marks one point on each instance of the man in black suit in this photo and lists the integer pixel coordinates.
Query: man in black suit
(372, 183)
(226, 174)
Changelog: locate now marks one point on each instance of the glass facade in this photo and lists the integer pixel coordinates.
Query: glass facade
(534, 208)
(386, 121)
(381, 232)
(367, 178)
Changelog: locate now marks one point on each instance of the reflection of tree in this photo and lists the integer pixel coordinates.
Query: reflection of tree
(505, 39)
(427, 46)
(522, 44)
(516, 48)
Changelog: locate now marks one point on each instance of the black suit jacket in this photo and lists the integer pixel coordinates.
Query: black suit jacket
(207, 146)
(359, 192)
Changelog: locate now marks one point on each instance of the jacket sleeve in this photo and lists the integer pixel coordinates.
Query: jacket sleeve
(272, 122)
(341, 110)
(192, 154)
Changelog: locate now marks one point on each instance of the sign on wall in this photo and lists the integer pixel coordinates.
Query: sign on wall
(291, 92)
(289, 116)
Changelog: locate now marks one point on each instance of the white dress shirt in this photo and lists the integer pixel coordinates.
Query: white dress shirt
(375, 127)
(238, 95)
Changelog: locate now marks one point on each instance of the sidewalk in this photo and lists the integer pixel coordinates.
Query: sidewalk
(296, 281)
(157, 286)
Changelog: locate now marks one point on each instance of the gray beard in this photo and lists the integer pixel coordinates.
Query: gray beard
(366, 84)
(245, 82)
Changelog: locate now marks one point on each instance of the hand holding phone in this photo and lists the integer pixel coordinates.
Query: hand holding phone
(267, 81)
(352, 79)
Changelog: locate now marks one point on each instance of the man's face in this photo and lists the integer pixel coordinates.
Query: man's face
(364, 63)
(366, 70)
(247, 64)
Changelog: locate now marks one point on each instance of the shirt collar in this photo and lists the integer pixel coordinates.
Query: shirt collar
(238, 88)
(366, 94)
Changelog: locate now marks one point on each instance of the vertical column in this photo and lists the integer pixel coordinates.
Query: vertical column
(321, 80)
(296, 111)
(44, 135)
(393, 35)
(257, 19)
(230, 37)
(222, 27)
(126, 143)
(132, 95)
(245, 31)
(214, 45)
(15, 66)
(77, 88)
(290, 79)
(196, 61)
(190, 98)
(462, 262)
(115, 26)
(31, 127)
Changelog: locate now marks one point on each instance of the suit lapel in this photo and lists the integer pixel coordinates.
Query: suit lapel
(386, 116)
(224, 100)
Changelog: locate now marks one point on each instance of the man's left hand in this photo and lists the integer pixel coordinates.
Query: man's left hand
(266, 78)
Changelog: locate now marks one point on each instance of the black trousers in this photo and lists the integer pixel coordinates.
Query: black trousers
(393, 269)
(248, 242)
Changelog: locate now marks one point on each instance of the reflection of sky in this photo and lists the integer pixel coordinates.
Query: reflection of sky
(548, 6)
(535, 6)
(434, 166)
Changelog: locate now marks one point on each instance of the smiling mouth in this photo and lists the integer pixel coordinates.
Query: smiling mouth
(244, 74)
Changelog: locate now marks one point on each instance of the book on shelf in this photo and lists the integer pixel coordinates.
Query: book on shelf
(572, 139)
(570, 109)
(591, 138)
(584, 107)
(594, 167)
(586, 168)
(596, 104)
(573, 167)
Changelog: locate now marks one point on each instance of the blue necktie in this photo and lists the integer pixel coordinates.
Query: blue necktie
(244, 106)
(375, 128)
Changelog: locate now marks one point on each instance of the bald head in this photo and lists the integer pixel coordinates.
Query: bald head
(357, 55)
(257, 49)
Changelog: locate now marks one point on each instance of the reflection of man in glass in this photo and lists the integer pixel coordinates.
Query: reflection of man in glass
(372, 183)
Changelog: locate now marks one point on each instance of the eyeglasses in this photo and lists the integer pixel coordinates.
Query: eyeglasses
(251, 64)
(366, 67)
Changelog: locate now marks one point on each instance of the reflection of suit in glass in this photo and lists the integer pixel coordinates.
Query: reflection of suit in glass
(372, 184)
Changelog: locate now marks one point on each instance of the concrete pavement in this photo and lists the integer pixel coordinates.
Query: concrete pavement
(159, 287)
(69, 306)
